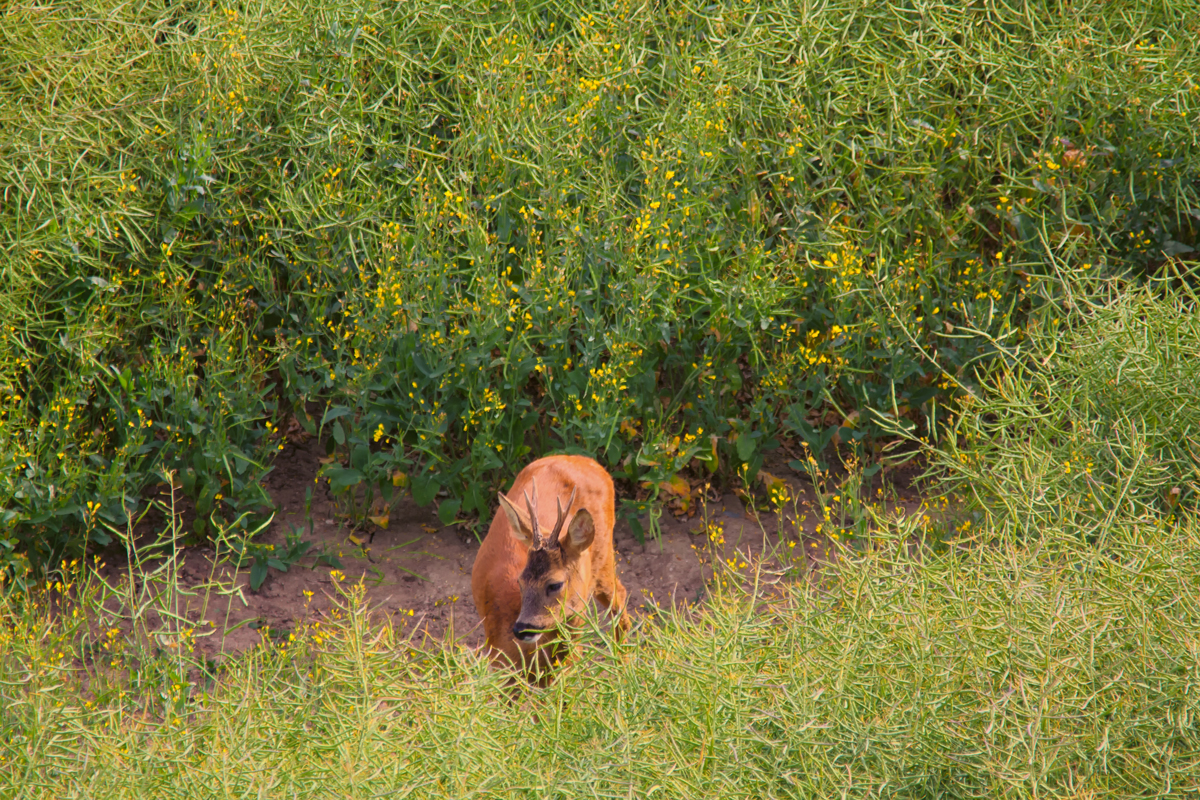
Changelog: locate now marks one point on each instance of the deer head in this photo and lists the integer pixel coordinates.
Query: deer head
(551, 588)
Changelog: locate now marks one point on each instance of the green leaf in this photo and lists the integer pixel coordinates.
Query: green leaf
(258, 574)
(297, 550)
(424, 489)
(488, 459)
(335, 413)
(639, 531)
(745, 446)
(707, 455)
(341, 478)
(328, 560)
(733, 377)
(205, 500)
(476, 500)
(448, 510)
(188, 478)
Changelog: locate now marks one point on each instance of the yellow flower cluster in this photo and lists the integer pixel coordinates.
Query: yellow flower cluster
(845, 264)
(607, 383)
(487, 408)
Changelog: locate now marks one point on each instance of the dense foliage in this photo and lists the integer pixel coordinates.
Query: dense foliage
(451, 237)
(1061, 665)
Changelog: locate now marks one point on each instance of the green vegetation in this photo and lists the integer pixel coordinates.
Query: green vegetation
(1061, 665)
(450, 237)
(453, 237)
(1113, 430)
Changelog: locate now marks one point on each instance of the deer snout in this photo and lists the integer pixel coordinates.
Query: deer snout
(525, 632)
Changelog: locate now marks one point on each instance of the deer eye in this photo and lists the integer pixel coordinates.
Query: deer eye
(551, 588)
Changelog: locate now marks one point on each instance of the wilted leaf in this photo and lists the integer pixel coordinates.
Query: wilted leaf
(771, 482)
(677, 486)
(1173, 497)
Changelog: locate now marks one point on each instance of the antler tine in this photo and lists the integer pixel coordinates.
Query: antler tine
(533, 521)
(562, 513)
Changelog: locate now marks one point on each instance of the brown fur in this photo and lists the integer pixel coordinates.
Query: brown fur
(509, 585)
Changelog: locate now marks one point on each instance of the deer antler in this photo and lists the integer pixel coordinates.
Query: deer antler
(562, 514)
(535, 529)
(531, 504)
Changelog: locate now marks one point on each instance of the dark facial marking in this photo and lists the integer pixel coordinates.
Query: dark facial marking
(537, 566)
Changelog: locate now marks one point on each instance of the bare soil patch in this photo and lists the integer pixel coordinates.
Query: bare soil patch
(417, 572)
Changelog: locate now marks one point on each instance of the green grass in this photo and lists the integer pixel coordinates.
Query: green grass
(1062, 664)
(969, 225)
(1040, 670)
(455, 237)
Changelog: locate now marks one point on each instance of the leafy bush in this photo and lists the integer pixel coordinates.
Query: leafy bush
(661, 237)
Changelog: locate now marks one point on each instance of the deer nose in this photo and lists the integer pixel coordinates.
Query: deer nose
(525, 633)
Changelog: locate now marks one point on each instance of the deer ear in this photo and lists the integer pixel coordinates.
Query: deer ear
(579, 534)
(518, 525)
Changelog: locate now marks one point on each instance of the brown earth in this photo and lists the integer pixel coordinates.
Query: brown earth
(418, 572)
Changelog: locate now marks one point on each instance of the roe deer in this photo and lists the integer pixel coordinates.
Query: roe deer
(526, 583)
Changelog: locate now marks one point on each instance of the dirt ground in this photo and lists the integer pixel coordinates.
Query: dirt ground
(418, 572)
